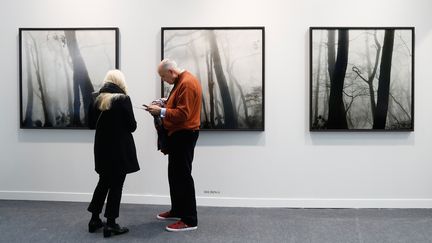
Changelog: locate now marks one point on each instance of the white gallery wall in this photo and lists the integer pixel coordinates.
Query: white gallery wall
(284, 166)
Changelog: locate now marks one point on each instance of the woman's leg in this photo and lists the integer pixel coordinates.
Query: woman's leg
(99, 195)
(114, 197)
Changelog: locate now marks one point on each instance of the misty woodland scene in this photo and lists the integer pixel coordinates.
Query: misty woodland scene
(60, 69)
(362, 79)
(229, 65)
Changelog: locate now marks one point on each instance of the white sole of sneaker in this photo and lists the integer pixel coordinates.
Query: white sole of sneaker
(181, 230)
(162, 218)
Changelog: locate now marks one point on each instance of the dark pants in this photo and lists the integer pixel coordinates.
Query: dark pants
(182, 190)
(111, 185)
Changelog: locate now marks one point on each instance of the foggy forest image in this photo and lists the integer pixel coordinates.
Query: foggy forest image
(361, 79)
(60, 69)
(230, 66)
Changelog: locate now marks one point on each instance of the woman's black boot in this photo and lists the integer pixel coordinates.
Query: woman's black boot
(94, 225)
(114, 230)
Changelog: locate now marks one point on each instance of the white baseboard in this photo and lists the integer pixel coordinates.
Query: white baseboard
(228, 201)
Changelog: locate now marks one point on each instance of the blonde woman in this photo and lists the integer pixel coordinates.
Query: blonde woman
(114, 150)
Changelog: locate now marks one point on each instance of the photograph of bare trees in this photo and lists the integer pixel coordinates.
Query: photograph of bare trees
(229, 62)
(362, 79)
(59, 70)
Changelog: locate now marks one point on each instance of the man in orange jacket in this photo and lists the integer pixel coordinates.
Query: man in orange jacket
(181, 119)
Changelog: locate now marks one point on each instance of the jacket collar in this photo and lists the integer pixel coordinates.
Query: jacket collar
(180, 77)
(109, 87)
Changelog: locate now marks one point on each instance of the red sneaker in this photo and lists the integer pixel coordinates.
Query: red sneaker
(167, 215)
(180, 226)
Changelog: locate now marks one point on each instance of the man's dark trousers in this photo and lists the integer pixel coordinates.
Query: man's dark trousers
(181, 146)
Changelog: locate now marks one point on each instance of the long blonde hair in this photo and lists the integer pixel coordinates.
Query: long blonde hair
(105, 99)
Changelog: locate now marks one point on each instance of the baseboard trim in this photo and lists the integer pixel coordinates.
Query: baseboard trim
(228, 201)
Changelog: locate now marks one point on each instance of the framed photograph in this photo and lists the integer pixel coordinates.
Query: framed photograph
(60, 68)
(229, 63)
(361, 79)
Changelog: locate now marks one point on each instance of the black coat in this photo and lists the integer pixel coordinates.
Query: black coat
(114, 146)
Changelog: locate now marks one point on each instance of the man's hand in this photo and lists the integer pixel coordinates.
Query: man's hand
(154, 110)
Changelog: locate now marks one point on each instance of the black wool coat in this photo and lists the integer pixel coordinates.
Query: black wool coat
(114, 146)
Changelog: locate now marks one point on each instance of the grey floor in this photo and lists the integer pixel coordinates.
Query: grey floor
(35, 221)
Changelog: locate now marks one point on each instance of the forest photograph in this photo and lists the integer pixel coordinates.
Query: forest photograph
(59, 71)
(229, 63)
(361, 79)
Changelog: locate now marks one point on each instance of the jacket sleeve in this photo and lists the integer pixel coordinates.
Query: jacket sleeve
(181, 112)
(128, 115)
(92, 113)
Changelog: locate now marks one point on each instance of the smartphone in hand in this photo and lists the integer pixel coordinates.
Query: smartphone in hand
(145, 106)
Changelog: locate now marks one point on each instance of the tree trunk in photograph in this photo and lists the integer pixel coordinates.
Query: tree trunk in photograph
(229, 115)
(233, 96)
(66, 65)
(38, 71)
(372, 72)
(337, 116)
(41, 71)
(242, 97)
(317, 88)
(384, 81)
(228, 65)
(234, 81)
(28, 122)
(76, 104)
(198, 75)
(219, 122)
(210, 87)
(331, 56)
(326, 98)
(327, 91)
(81, 78)
(219, 117)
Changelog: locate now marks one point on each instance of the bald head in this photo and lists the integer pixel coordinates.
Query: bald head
(168, 64)
(168, 70)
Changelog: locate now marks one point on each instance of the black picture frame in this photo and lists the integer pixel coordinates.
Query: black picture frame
(253, 101)
(44, 52)
(403, 119)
